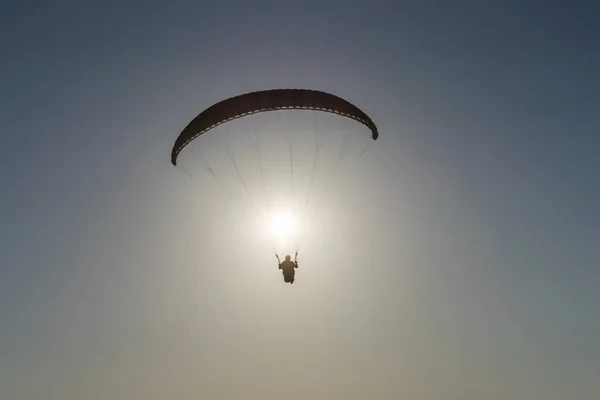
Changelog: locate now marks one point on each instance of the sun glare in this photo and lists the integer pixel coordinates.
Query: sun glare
(281, 224)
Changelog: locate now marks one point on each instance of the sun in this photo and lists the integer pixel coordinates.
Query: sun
(281, 224)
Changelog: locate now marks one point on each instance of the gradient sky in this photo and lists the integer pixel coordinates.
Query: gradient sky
(461, 259)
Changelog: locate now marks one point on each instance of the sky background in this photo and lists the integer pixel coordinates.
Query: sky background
(459, 258)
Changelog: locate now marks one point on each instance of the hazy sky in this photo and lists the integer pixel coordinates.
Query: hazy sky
(460, 258)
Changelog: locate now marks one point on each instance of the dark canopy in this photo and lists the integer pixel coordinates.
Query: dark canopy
(268, 100)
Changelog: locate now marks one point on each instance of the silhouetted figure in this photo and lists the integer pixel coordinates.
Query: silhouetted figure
(288, 267)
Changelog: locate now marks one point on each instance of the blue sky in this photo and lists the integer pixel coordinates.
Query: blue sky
(459, 258)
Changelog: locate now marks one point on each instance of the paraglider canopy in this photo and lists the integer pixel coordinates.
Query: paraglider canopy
(268, 100)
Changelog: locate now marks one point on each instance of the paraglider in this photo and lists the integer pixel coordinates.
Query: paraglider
(275, 152)
(288, 267)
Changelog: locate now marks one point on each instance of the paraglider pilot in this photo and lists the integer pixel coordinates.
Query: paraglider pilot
(288, 267)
